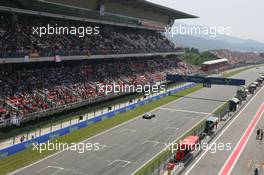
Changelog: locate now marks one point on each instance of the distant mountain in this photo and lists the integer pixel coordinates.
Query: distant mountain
(205, 42)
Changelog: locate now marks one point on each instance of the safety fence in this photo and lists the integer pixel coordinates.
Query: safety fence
(86, 123)
(158, 165)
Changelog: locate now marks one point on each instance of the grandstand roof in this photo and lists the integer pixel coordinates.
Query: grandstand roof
(137, 9)
(146, 5)
(139, 13)
(215, 61)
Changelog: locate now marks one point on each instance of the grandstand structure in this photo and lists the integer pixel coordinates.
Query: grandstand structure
(218, 65)
(238, 58)
(44, 75)
(119, 22)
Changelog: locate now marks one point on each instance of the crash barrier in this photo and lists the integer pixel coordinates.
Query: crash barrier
(161, 166)
(44, 138)
(218, 112)
(156, 165)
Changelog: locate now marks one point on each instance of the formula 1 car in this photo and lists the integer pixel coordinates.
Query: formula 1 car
(148, 116)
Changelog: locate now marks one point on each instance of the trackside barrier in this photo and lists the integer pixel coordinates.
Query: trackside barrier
(158, 165)
(44, 138)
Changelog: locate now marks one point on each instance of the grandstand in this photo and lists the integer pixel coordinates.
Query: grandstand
(58, 58)
(237, 58)
(39, 89)
(44, 75)
(218, 65)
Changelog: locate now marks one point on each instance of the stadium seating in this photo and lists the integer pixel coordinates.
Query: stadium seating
(25, 91)
(236, 57)
(31, 90)
(18, 39)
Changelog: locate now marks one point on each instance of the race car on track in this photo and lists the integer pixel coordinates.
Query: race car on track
(148, 116)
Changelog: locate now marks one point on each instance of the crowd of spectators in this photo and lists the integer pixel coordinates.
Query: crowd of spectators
(29, 90)
(18, 39)
(237, 57)
(248, 56)
(26, 90)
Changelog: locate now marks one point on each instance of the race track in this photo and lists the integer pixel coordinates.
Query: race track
(240, 159)
(127, 147)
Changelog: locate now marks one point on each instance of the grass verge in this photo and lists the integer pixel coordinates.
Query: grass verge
(29, 156)
(33, 126)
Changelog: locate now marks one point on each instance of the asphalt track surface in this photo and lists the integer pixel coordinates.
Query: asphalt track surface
(252, 156)
(127, 147)
(241, 159)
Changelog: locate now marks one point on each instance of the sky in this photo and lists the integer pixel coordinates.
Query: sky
(245, 17)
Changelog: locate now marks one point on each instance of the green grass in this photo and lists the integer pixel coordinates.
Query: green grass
(221, 109)
(37, 125)
(29, 156)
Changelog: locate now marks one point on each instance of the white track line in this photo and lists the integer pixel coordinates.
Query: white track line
(242, 149)
(151, 141)
(234, 119)
(173, 141)
(166, 147)
(123, 161)
(106, 131)
(187, 111)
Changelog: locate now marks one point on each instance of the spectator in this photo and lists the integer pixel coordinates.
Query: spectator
(34, 90)
(19, 40)
(22, 139)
